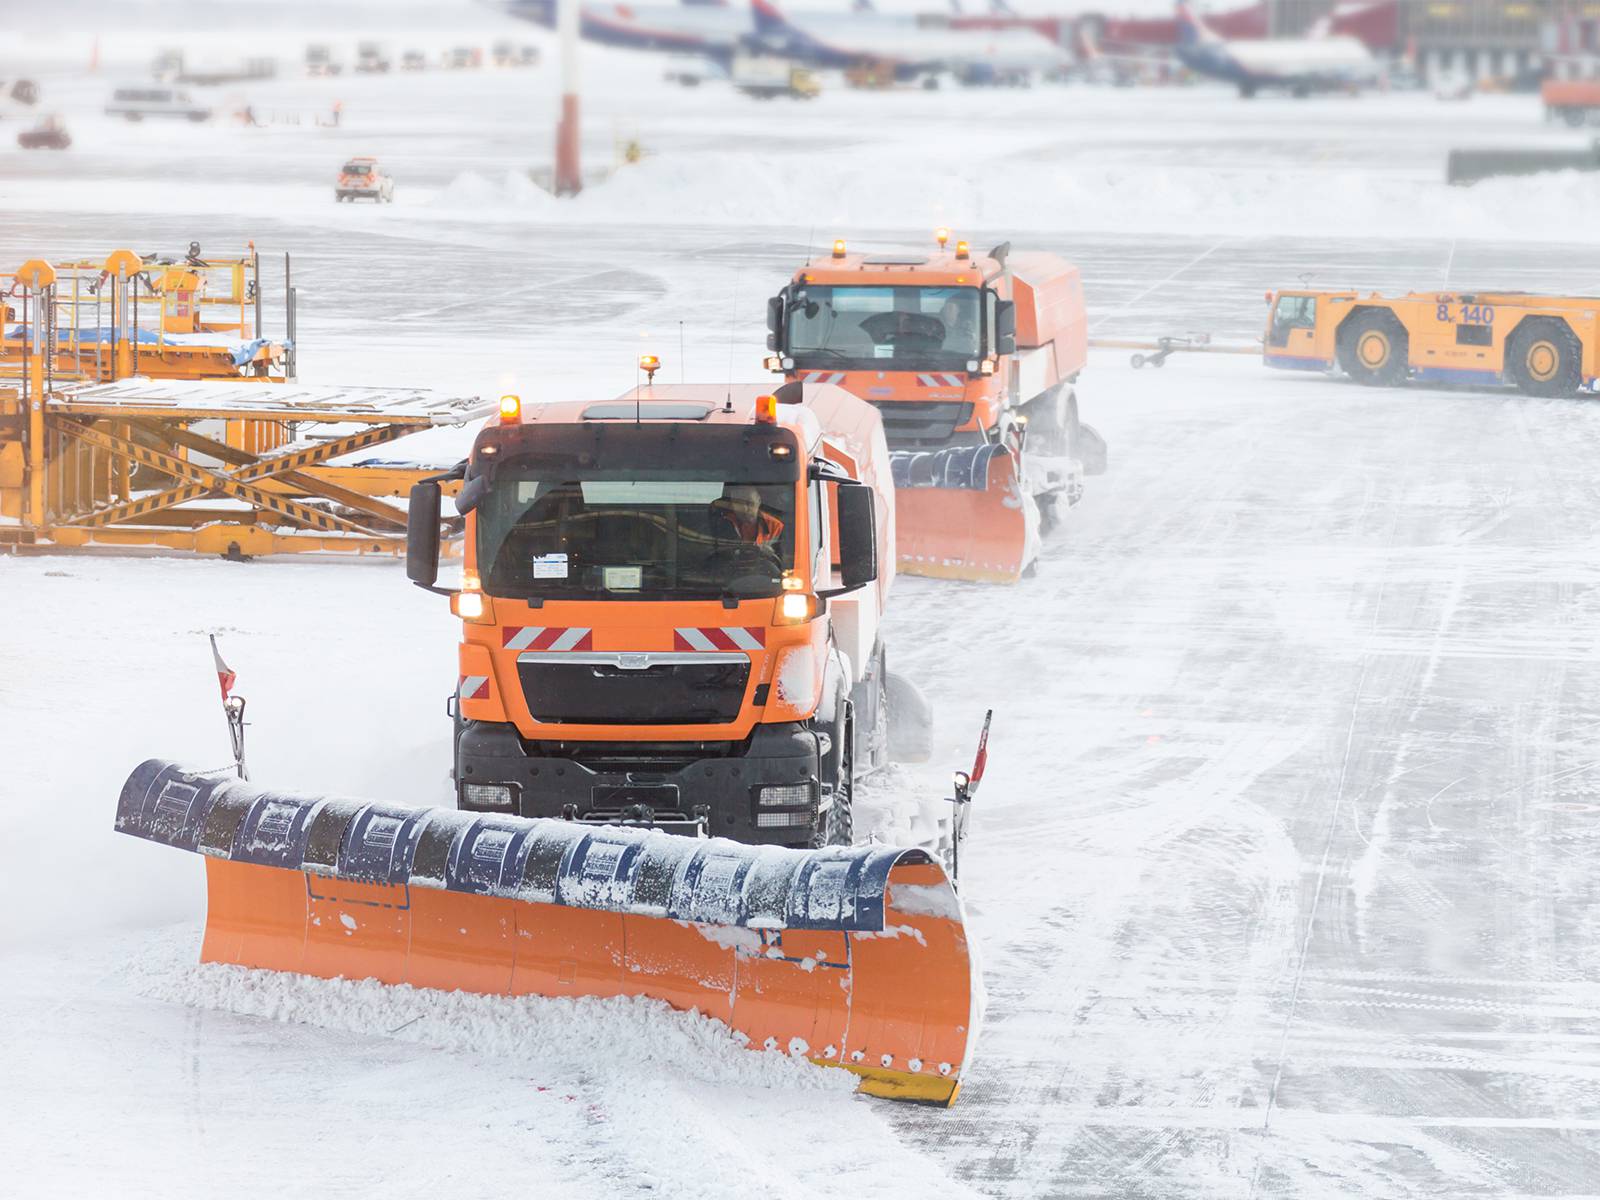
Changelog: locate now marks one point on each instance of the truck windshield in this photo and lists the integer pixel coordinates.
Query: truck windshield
(899, 327)
(640, 534)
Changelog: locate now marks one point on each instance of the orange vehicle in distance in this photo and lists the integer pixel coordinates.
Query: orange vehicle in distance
(971, 360)
(364, 179)
(1542, 345)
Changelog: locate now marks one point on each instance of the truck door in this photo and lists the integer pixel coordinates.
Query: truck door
(1293, 329)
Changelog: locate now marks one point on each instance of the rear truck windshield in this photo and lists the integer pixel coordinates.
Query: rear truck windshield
(910, 328)
(356, 168)
(623, 511)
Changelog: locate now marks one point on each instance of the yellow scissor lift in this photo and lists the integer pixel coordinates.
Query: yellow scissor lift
(195, 437)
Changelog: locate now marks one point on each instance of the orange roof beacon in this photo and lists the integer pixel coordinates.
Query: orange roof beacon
(971, 360)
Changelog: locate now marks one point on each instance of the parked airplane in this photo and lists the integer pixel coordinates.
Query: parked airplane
(863, 37)
(707, 27)
(1321, 62)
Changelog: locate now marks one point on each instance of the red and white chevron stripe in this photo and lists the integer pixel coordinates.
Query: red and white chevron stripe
(941, 379)
(726, 637)
(546, 637)
(823, 377)
(473, 687)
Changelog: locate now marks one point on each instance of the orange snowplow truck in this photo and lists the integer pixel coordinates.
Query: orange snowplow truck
(670, 610)
(1544, 345)
(971, 361)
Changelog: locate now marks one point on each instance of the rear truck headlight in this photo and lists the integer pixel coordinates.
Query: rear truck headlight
(781, 795)
(496, 797)
(773, 362)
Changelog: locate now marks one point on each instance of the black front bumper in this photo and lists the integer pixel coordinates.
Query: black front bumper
(714, 792)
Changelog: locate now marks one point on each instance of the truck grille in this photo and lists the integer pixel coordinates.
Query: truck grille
(592, 689)
(910, 423)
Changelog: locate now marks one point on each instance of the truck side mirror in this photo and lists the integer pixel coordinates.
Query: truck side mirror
(422, 534)
(1005, 327)
(775, 308)
(858, 536)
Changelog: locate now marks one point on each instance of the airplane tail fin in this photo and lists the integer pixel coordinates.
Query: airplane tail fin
(770, 22)
(1192, 31)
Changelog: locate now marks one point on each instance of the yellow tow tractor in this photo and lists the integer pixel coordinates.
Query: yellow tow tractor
(1544, 345)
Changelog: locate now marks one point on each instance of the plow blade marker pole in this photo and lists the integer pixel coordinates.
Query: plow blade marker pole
(854, 957)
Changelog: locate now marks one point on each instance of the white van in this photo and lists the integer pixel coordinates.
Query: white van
(137, 103)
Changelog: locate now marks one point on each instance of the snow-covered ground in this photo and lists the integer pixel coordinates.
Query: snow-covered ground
(1283, 874)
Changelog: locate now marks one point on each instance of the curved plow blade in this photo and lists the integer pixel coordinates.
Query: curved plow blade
(961, 513)
(851, 957)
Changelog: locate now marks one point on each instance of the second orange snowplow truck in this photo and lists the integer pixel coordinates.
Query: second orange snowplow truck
(971, 360)
(671, 609)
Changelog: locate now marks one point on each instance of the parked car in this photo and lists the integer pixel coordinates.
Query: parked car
(413, 60)
(364, 179)
(137, 103)
(48, 134)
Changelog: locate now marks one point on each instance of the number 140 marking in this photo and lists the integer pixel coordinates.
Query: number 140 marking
(1471, 314)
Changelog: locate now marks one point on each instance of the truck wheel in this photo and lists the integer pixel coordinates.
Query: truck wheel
(841, 817)
(1542, 358)
(838, 827)
(1374, 349)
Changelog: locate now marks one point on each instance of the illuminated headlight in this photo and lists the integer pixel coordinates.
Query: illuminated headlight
(784, 795)
(772, 362)
(478, 796)
(783, 820)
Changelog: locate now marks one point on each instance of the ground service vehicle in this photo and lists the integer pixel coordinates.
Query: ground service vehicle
(48, 134)
(320, 61)
(766, 77)
(1574, 101)
(363, 179)
(137, 103)
(971, 362)
(671, 612)
(1544, 345)
(372, 59)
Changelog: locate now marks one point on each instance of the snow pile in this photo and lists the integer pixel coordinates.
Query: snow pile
(557, 1037)
(512, 191)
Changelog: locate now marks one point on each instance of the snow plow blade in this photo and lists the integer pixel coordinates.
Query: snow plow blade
(852, 957)
(961, 513)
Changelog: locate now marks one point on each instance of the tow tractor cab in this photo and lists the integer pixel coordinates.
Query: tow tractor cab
(364, 179)
(1544, 345)
(670, 608)
(949, 346)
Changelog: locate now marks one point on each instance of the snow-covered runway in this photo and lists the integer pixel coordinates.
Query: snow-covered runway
(1284, 872)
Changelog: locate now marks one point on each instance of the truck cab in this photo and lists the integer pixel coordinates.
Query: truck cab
(670, 607)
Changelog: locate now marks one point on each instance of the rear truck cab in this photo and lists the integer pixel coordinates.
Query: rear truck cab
(363, 179)
(670, 607)
(960, 354)
(1543, 345)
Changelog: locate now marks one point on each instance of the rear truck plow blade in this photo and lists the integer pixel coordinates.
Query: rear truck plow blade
(852, 957)
(962, 513)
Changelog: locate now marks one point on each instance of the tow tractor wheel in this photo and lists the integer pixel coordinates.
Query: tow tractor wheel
(1542, 358)
(1373, 349)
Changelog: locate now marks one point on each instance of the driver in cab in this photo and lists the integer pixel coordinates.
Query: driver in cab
(739, 516)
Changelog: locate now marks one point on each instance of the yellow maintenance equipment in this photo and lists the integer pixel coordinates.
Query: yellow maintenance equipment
(142, 404)
(1544, 345)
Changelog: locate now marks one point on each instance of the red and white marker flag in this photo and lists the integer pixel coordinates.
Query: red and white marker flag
(225, 675)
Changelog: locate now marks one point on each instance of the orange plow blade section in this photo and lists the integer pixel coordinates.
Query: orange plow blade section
(852, 957)
(962, 513)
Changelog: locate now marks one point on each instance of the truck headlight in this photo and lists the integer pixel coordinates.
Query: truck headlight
(492, 796)
(783, 820)
(784, 795)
